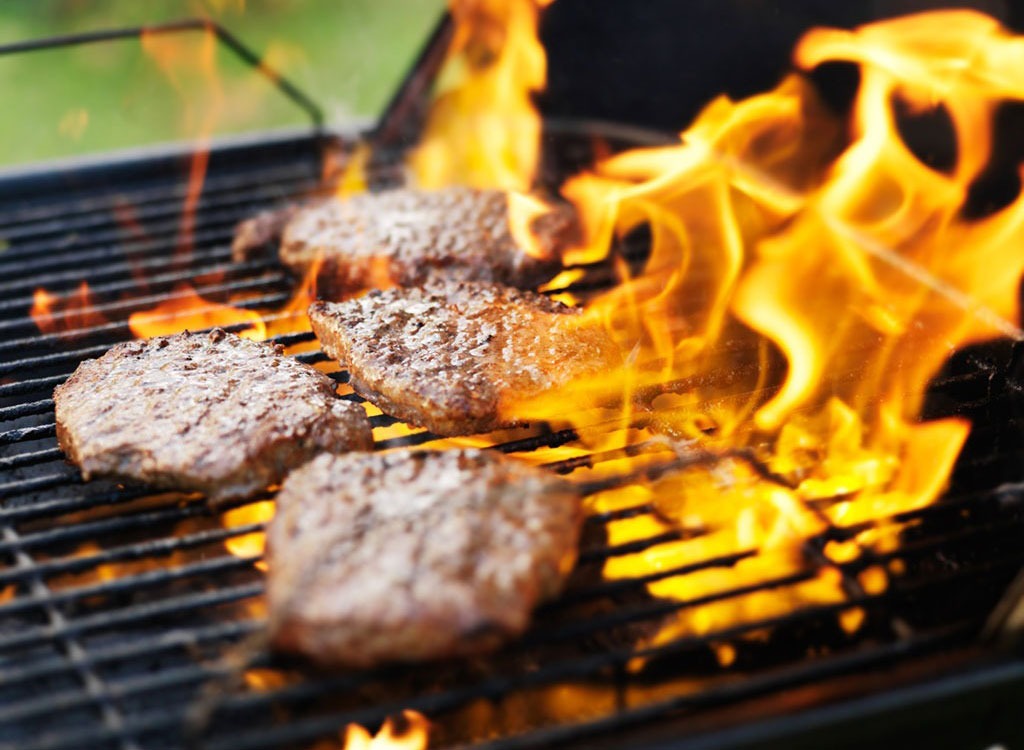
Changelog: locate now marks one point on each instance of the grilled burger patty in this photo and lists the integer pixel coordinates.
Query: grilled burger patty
(410, 556)
(211, 412)
(403, 237)
(454, 355)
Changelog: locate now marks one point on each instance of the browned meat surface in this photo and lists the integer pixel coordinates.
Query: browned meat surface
(403, 237)
(209, 412)
(456, 356)
(410, 556)
(259, 232)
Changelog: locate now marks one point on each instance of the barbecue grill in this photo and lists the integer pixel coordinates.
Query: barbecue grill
(125, 623)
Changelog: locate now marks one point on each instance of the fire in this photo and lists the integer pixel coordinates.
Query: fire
(414, 736)
(804, 286)
(65, 315)
(190, 64)
(248, 545)
(523, 211)
(185, 310)
(483, 129)
(806, 279)
(353, 175)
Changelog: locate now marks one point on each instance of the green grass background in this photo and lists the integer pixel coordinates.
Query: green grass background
(349, 55)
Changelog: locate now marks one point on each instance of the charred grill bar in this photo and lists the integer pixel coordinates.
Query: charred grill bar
(125, 622)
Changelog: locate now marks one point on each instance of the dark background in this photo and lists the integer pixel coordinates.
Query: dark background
(655, 63)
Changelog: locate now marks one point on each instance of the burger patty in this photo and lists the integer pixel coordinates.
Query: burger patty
(259, 232)
(410, 556)
(403, 237)
(211, 412)
(456, 356)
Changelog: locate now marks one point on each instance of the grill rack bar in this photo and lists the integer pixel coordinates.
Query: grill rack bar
(144, 303)
(439, 703)
(93, 684)
(575, 630)
(82, 497)
(111, 237)
(148, 203)
(496, 686)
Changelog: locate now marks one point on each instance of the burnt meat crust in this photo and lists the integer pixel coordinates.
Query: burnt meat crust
(405, 236)
(210, 412)
(411, 556)
(453, 356)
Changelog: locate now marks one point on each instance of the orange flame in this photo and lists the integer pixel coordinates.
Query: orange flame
(185, 310)
(854, 259)
(65, 315)
(483, 129)
(252, 544)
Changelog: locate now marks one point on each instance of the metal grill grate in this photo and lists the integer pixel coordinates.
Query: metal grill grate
(120, 610)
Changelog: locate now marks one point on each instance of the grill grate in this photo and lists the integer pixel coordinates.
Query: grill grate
(120, 610)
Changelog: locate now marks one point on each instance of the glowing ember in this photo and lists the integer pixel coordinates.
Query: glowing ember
(414, 736)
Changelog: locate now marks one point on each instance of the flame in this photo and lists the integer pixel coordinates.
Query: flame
(262, 680)
(523, 211)
(292, 317)
(252, 544)
(353, 177)
(483, 129)
(803, 286)
(190, 64)
(414, 736)
(55, 314)
(805, 281)
(185, 310)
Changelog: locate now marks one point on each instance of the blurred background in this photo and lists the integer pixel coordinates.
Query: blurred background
(348, 55)
(651, 63)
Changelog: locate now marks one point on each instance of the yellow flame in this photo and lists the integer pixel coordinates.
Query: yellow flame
(186, 310)
(415, 736)
(853, 259)
(523, 211)
(252, 544)
(483, 129)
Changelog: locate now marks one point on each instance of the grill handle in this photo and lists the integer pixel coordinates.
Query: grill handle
(403, 118)
(244, 53)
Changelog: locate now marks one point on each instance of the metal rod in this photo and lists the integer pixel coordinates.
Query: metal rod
(244, 53)
(242, 195)
(23, 220)
(403, 116)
